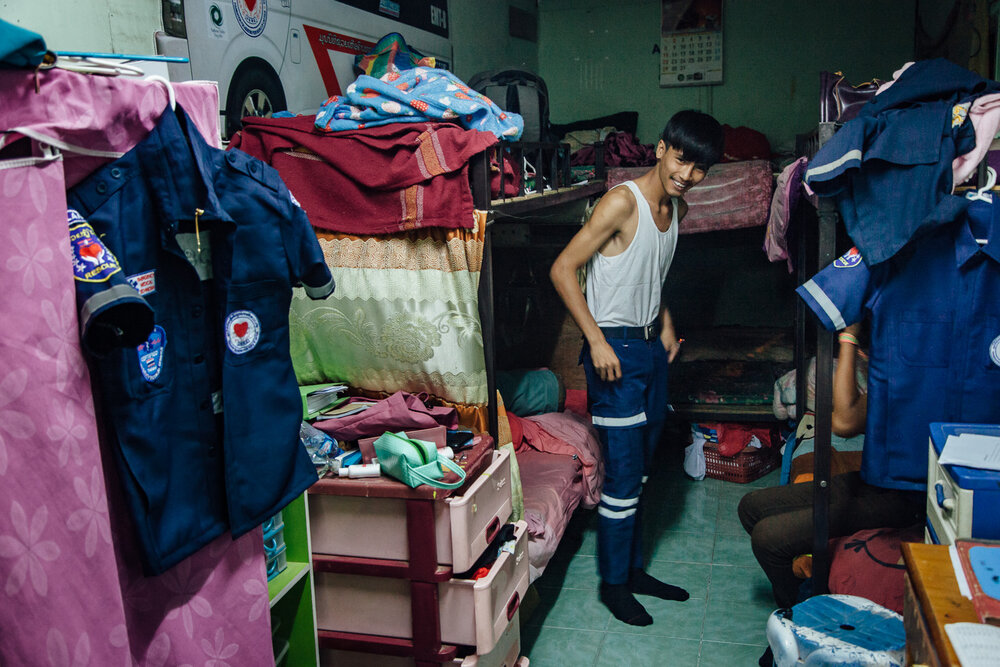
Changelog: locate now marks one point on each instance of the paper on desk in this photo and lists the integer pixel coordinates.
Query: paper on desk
(956, 565)
(975, 644)
(973, 451)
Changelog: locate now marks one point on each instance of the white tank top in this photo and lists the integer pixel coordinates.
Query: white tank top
(624, 290)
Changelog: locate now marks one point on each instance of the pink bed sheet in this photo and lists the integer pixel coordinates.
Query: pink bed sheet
(733, 195)
(552, 486)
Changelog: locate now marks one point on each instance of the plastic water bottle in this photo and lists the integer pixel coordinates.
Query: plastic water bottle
(321, 447)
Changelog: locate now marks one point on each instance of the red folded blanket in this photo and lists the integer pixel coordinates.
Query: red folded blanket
(377, 180)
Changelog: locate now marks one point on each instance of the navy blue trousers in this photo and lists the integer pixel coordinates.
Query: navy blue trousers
(628, 415)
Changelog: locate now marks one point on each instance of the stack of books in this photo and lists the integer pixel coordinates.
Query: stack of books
(355, 405)
(316, 398)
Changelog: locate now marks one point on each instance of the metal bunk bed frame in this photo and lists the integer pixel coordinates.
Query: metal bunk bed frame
(551, 187)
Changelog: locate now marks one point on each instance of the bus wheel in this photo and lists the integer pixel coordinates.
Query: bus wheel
(254, 92)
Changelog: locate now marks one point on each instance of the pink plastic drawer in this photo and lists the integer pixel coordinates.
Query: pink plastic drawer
(376, 527)
(473, 612)
(506, 653)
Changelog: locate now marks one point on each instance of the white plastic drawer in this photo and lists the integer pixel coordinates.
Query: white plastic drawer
(473, 612)
(949, 506)
(506, 653)
(477, 515)
(376, 527)
(494, 599)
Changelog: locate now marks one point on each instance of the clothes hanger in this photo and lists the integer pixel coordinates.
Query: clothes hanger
(170, 88)
(983, 194)
(94, 65)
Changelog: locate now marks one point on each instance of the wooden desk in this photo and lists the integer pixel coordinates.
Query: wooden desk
(931, 600)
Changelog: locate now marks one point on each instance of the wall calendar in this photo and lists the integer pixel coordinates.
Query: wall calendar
(691, 42)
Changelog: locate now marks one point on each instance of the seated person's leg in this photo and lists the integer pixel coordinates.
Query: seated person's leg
(774, 500)
(777, 537)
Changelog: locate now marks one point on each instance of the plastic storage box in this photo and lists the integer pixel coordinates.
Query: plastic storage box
(506, 653)
(276, 521)
(276, 563)
(473, 612)
(961, 502)
(368, 527)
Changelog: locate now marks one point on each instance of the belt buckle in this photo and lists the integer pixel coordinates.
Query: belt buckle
(647, 332)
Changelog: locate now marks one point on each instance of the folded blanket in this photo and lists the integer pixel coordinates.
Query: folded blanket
(564, 433)
(413, 96)
(373, 181)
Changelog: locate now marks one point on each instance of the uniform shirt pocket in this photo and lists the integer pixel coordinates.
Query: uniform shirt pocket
(253, 322)
(924, 340)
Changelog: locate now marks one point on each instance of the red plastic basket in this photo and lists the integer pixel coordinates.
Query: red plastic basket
(750, 464)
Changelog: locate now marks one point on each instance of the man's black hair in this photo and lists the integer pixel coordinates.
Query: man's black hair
(696, 135)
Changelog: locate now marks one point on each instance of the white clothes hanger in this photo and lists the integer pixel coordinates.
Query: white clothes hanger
(92, 65)
(983, 194)
(170, 89)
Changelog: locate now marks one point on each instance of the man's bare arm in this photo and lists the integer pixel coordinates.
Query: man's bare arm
(607, 220)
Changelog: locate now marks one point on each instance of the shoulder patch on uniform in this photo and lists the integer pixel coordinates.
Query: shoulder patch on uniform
(92, 261)
(242, 331)
(144, 283)
(995, 351)
(151, 354)
(959, 112)
(849, 259)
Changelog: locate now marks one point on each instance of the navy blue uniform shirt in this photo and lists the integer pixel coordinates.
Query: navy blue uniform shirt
(891, 167)
(204, 413)
(935, 337)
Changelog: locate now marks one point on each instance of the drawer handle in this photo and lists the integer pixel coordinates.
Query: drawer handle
(947, 504)
(513, 605)
(492, 529)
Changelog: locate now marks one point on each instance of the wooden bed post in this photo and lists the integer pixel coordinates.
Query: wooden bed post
(480, 175)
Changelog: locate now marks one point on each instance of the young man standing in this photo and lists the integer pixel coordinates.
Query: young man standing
(627, 246)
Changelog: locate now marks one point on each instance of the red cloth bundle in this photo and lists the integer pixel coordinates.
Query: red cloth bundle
(379, 180)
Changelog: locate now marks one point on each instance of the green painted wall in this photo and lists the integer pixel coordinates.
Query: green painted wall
(597, 58)
(481, 38)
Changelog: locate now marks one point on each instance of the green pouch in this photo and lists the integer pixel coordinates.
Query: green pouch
(415, 462)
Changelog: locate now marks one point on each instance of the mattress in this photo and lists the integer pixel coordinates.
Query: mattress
(730, 371)
(553, 486)
(733, 195)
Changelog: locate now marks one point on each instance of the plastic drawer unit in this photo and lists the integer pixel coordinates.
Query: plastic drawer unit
(370, 527)
(961, 502)
(473, 612)
(507, 653)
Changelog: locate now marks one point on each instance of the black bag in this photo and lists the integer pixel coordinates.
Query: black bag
(521, 92)
(839, 101)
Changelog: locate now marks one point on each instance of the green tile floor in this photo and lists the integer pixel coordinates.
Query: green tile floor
(693, 539)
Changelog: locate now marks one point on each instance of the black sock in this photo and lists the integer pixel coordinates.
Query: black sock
(642, 583)
(625, 608)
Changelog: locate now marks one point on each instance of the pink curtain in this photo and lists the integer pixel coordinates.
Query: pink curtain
(71, 586)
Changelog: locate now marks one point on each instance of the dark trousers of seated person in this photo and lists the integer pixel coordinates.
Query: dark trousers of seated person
(779, 520)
